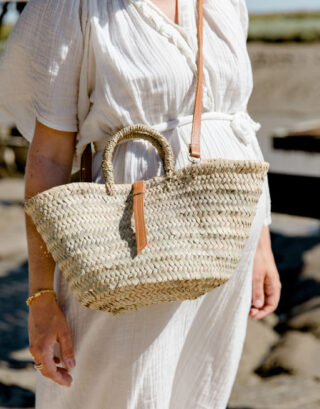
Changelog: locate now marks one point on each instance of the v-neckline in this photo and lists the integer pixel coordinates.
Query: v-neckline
(179, 26)
(186, 28)
(182, 35)
(162, 12)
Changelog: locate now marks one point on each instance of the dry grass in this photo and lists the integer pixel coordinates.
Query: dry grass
(297, 27)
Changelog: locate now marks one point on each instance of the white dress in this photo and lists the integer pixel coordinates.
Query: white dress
(93, 67)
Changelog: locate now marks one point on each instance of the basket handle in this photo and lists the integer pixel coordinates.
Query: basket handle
(137, 131)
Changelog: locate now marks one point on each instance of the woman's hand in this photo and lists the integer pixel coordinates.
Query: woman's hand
(46, 326)
(266, 285)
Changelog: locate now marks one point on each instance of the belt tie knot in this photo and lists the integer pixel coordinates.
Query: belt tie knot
(244, 127)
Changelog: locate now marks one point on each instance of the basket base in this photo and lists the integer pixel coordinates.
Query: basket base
(131, 297)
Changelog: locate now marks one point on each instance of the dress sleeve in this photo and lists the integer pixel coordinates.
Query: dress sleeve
(243, 14)
(40, 66)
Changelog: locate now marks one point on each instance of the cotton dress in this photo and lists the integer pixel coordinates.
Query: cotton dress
(93, 67)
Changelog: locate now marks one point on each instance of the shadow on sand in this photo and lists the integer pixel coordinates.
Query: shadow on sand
(14, 333)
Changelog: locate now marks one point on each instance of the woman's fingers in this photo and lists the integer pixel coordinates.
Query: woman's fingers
(266, 285)
(258, 287)
(272, 290)
(66, 348)
(253, 311)
(45, 356)
(55, 373)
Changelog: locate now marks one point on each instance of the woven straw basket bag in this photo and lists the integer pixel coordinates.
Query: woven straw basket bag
(171, 237)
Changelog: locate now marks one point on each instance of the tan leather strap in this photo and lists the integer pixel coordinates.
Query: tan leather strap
(138, 191)
(194, 146)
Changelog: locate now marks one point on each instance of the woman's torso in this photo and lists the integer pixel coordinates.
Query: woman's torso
(140, 67)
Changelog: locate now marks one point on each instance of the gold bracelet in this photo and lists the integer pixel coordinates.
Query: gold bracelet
(38, 293)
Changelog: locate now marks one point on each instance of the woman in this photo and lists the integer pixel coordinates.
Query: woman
(75, 71)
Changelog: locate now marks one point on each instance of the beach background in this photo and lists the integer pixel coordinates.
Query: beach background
(280, 365)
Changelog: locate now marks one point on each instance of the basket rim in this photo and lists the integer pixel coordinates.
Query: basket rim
(261, 166)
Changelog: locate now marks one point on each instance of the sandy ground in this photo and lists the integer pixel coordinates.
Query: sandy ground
(287, 90)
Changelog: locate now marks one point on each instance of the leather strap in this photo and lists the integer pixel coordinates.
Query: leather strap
(86, 165)
(194, 146)
(138, 210)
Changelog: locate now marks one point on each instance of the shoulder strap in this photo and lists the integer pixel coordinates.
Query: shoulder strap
(194, 146)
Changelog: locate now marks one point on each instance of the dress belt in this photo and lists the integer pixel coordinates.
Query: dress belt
(242, 124)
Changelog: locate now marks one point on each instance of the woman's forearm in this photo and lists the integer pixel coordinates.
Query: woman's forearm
(40, 175)
(46, 167)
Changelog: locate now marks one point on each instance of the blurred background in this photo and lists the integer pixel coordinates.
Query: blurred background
(280, 365)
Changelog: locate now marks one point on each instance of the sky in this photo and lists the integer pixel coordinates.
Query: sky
(266, 6)
(254, 6)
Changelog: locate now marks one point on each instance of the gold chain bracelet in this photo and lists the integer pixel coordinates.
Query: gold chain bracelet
(38, 293)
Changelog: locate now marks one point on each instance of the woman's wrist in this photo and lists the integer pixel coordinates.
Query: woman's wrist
(43, 304)
(42, 293)
(264, 242)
